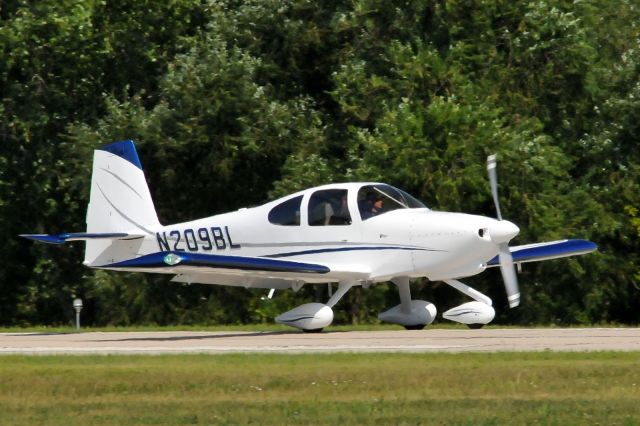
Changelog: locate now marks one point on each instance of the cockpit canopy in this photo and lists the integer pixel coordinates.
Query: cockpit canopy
(335, 205)
(374, 200)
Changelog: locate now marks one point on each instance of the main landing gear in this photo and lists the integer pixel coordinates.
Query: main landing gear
(412, 314)
(313, 317)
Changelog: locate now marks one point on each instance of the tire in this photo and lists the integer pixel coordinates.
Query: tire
(415, 327)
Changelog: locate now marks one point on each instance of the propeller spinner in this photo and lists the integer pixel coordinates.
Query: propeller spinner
(500, 235)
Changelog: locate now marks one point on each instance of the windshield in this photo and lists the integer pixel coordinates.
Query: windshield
(374, 200)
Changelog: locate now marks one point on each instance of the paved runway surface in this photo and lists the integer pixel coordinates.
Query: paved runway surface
(436, 340)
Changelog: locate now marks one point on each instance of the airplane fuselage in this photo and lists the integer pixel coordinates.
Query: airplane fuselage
(412, 242)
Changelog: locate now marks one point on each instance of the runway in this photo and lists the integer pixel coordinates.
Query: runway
(435, 340)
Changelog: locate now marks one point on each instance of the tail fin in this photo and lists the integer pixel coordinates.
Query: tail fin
(120, 201)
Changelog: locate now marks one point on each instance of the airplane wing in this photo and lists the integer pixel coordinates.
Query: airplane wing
(547, 250)
(241, 271)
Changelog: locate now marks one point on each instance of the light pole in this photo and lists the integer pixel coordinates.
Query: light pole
(77, 305)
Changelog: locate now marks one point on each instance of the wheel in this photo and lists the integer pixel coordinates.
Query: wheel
(315, 330)
(415, 327)
(475, 326)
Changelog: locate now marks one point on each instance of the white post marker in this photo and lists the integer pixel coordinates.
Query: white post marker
(77, 305)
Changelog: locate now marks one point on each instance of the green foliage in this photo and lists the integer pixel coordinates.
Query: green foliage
(232, 104)
(59, 57)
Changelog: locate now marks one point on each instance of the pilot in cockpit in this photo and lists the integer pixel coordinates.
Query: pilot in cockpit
(372, 206)
(376, 209)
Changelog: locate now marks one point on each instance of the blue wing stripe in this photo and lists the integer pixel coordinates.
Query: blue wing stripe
(169, 259)
(551, 251)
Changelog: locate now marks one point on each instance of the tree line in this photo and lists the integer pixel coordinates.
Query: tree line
(232, 103)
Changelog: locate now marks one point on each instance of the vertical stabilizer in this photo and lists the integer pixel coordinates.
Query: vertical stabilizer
(120, 200)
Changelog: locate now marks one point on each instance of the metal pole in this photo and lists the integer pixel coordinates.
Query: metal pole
(77, 305)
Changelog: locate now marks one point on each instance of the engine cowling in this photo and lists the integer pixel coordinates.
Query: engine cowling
(309, 317)
(471, 313)
(422, 313)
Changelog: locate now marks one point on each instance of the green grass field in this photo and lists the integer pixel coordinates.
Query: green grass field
(504, 388)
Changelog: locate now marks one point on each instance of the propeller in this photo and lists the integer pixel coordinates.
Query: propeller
(500, 234)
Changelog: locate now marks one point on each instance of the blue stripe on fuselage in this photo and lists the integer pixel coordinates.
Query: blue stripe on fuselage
(339, 249)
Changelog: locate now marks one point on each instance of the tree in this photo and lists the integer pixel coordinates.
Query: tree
(233, 103)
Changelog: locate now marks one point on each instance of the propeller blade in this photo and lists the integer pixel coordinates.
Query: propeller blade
(493, 181)
(501, 235)
(509, 277)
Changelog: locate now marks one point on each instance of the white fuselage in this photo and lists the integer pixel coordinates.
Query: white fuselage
(415, 242)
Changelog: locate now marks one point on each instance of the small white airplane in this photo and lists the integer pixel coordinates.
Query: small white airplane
(352, 234)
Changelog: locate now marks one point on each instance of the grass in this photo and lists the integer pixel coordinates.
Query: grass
(500, 388)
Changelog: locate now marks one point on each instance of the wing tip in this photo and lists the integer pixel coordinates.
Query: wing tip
(44, 238)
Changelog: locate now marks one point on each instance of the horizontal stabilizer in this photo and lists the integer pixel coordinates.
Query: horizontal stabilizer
(80, 236)
(548, 250)
(178, 259)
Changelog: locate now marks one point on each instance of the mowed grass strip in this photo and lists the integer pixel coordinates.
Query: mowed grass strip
(501, 388)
